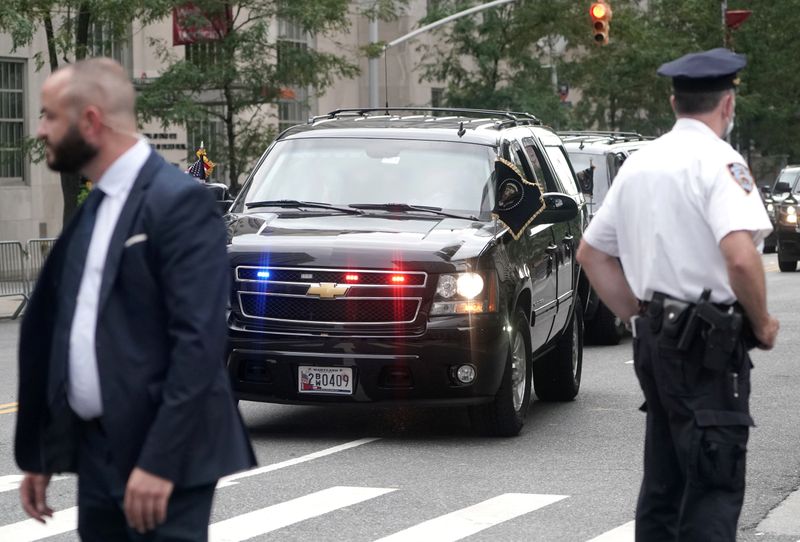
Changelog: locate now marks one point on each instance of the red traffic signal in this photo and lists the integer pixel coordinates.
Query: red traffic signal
(600, 13)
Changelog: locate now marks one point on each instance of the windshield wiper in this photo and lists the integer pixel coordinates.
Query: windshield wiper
(300, 203)
(406, 207)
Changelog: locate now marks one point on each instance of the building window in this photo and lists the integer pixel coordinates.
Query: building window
(205, 54)
(437, 97)
(211, 133)
(102, 42)
(293, 102)
(12, 120)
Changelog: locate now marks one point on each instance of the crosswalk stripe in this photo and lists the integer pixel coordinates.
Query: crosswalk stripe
(11, 482)
(30, 530)
(473, 519)
(265, 520)
(623, 533)
(231, 480)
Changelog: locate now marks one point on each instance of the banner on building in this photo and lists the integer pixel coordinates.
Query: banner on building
(191, 25)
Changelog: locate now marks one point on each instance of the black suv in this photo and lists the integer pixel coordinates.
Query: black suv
(367, 267)
(783, 206)
(596, 157)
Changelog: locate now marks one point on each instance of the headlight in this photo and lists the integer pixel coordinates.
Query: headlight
(770, 208)
(791, 215)
(465, 293)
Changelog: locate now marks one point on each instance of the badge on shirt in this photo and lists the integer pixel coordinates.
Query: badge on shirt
(741, 174)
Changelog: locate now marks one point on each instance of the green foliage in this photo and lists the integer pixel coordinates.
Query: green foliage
(251, 70)
(500, 59)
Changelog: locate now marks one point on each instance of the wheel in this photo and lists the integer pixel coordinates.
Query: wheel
(505, 416)
(605, 328)
(787, 266)
(557, 374)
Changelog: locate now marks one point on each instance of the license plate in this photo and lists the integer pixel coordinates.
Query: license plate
(330, 380)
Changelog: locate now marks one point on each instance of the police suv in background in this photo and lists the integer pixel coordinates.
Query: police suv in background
(596, 157)
(782, 207)
(367, 266)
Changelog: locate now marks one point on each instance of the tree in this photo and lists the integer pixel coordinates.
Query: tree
(768, 105)
(251, 70)
(492, 59)
(67, 25)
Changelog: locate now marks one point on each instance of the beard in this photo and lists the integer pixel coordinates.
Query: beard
(71, 153)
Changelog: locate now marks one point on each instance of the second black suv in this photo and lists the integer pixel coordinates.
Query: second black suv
(596, 157)
(367, 267)
(783, 207)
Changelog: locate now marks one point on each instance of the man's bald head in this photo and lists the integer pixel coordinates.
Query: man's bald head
(103, 83)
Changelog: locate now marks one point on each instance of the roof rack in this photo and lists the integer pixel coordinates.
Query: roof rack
(615, 136)
(512, 117)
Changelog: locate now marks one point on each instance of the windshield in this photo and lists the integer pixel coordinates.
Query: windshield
(790, 176)
(453, 176)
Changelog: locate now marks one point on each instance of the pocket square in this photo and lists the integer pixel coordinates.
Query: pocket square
(138, 238)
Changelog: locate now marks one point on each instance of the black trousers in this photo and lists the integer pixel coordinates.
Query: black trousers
(101, 492)
(698, 422)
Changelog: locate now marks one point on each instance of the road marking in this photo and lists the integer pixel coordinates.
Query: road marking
(231, 480)
(11, 482)
(6, 405)
(623, 533)
(8, 410)
(30, 530)
(784, 519)
(473, 519)
(629, 362)
(265, 520)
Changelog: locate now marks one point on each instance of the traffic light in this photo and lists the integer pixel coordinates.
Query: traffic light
(601, 17)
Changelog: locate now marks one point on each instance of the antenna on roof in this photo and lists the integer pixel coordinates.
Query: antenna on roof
(461, 129)
(386, 78)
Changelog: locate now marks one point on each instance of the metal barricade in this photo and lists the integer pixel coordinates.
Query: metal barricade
(13, 276)
(38, 250)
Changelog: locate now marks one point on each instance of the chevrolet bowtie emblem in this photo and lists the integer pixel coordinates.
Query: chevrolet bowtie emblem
(328, 289)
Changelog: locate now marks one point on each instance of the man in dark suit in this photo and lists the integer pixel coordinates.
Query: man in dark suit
(121, 369)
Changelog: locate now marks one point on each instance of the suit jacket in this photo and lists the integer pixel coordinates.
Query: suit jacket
(160, 340)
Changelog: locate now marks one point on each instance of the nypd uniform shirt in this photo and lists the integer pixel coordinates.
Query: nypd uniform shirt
(669, 207)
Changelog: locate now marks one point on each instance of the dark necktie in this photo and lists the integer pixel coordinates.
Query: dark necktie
(72, 273)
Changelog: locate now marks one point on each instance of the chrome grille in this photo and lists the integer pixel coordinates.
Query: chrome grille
(280, 295)
(264, 306)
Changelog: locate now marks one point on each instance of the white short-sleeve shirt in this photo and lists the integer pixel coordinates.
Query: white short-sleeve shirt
(669, 207)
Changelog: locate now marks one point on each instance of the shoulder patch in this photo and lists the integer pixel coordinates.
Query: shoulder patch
(741, 174)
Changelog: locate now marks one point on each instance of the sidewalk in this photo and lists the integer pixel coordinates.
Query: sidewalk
(9, 305)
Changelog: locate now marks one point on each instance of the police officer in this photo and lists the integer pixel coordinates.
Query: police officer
(682, 216)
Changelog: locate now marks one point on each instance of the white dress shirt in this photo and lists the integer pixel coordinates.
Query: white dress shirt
(671, 204)
(83, 388)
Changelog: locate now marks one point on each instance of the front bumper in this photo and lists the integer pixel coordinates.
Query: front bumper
(414, 369)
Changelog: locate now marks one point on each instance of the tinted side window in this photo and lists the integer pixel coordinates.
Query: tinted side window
(537, 162)
(563, 169)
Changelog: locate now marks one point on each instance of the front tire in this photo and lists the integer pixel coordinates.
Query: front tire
(557, 374)
(505, 415)
(787, 266)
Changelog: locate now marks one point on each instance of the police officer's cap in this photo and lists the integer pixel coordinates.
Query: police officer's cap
(706, 71)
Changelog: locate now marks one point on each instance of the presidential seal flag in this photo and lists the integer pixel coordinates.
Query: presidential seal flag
(517, 201)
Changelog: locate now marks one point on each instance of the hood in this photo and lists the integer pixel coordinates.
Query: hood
(370, 241)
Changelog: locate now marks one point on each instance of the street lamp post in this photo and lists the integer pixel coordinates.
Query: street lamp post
(373, 68)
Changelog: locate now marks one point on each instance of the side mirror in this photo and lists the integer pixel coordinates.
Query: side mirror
(782, 188)
(558, 207)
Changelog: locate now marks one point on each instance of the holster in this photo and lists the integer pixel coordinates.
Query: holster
(722, 336)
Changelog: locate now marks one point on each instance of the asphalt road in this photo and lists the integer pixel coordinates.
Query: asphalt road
(364, 474)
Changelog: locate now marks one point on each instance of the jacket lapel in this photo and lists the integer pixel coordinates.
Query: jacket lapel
(126, 219)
